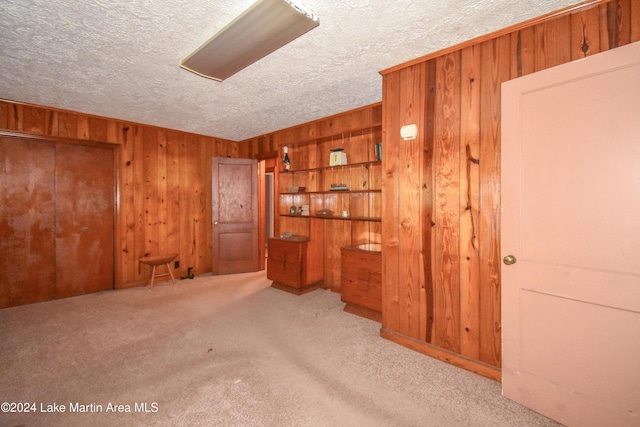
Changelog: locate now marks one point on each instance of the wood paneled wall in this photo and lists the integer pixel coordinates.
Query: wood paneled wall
(336, 234)
(441, 214)
(441, 191)
(358, 118)
(164, 183)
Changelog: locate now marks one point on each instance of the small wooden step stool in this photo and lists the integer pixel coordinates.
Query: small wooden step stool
(157, 260)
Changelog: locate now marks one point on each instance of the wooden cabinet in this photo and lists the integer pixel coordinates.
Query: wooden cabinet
(343, 201)
(294, 264)
(361, 286)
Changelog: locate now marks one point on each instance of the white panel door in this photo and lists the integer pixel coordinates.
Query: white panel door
(571, 218)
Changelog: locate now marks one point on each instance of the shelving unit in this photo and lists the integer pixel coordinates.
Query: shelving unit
(311, 172)
(354, 216)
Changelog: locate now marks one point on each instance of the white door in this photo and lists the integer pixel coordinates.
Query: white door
(571, 218)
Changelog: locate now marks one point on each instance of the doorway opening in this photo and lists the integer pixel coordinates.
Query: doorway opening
(268, 211)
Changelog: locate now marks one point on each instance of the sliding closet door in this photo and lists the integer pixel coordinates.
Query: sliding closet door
(84, 219)
(56, 220)
(27, 221)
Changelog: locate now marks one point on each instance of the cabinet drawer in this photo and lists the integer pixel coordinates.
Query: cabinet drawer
(283, 272)
(284, 264)
(285, 251)
(361, 279)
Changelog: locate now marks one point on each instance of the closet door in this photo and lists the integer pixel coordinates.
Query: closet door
(27, 222)
(84, 179)
(56, 220)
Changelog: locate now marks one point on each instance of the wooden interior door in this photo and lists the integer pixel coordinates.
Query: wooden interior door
(571, 218)
(84, 179)
(235, 215)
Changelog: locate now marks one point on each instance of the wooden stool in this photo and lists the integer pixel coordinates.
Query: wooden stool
(155, 261)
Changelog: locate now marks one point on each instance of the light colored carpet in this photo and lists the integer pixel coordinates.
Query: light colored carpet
(229, 351)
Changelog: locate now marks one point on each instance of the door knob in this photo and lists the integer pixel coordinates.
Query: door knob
(509, 260)
(215, 222)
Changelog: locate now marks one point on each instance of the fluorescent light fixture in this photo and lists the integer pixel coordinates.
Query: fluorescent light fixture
(263, 28)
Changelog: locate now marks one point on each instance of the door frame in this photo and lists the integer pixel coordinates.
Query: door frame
(267, 163)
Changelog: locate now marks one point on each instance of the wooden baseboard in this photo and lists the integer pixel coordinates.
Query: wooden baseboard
(365, 312)
(294, 290)
(458, 360)
(135, 284)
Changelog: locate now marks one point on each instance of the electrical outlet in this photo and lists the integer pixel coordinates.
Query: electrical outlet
(176, 264)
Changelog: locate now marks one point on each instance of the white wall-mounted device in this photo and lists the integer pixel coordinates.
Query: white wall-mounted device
(409, 132)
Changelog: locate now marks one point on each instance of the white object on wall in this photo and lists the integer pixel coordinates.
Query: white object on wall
(409, 132)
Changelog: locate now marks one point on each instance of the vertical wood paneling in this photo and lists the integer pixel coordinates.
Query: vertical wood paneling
(464, 307)
(391, 123)
(151, 192)
(634, 17)
(139, 247)
(164, 181)
(495, 70)
(446, 166)
(411, 95)
(125, 250)
(204, 215)
(188, 181)
(164, 176)
(427, 215)
(195, 189)
(552, 43)
(67, 125)
(173, 146)
(13, 116)
(162, 205)
(585, 33)
(32, 120)
(97, 128)
(336, 235)
(522, 52)
(471, 61)
(616, 30)
(82, 127)
(4, 115)
(464, 261)
(114, 130)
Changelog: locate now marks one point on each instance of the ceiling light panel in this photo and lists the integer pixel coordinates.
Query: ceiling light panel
(263, 28)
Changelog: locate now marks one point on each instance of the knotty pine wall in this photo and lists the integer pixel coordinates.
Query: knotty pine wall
(164, 183)
(336, 233)
(441, 210)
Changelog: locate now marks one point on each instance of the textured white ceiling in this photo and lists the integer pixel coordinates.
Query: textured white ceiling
(120, 58)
